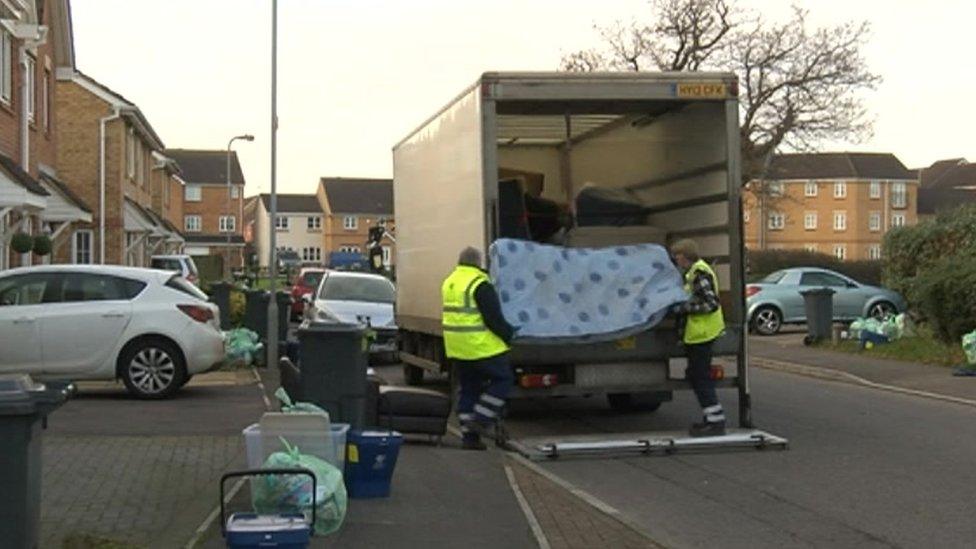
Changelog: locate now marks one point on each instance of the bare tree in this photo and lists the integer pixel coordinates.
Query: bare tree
(798, 87)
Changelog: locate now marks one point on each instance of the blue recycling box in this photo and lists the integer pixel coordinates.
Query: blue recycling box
(285, 531)
(370, 460)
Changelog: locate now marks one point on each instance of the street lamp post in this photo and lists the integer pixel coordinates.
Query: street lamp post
(273, 265)
(230, 197)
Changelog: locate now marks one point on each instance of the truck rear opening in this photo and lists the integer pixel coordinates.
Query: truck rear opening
(518, 154)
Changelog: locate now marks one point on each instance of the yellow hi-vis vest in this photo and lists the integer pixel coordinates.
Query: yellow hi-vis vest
(465, 335)
(704, 327)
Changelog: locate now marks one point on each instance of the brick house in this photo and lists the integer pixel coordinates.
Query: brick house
(836, 203)
(944, 185)
(107, 159)
(35, 44)
(351, 207)
(299, 227)
(212, 210)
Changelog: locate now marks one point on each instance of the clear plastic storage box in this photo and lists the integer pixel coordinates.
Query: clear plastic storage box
(329, 445)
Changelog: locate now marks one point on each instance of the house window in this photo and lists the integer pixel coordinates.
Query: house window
(312, 254)
(81, 247)
(874, 222)
(875, 192)
(745, 215)
(810, 221)
(7, 70)
(775, 188)
(314, 223)
(387, 256)
(350, 223)
(192, 223)
(899, 195)
(840, 221)
(840, 251)
(281, 223)
(874, 251)
(812, 248)
(193, 193)
(130, 154)
(235, 191)
(228, 223)
(166, 191)
(898, 220)
(777, 221)
(46, 99)
(840, 189)
(140, 164)
(31, 88)
(810, 189)
(349, 249)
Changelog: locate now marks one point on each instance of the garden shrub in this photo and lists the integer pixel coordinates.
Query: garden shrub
(944, 292)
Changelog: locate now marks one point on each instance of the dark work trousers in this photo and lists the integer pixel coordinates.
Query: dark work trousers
(485, 385)
(699, 374)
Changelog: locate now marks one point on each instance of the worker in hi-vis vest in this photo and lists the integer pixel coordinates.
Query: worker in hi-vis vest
(703, 324)
(476, 339)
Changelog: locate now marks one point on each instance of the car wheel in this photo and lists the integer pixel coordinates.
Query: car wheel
(767, 321)
(630, 402)
(152, 369)
(882, 310)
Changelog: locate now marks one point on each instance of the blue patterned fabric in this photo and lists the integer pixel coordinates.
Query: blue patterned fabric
(558, 295)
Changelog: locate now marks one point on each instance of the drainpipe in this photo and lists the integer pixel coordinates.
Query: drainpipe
(101, 182)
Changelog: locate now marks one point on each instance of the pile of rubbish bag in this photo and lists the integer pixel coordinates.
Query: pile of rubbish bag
(969, 347)
(290, 407)
(242, 346)
(293, 493)
(892, 328)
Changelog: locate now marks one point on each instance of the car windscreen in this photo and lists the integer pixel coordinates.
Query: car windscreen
(312, 279)
(774, 278)
(181, 284)
(357, 288)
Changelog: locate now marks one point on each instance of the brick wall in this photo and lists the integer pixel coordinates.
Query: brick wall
(213, 204)
(337, 236)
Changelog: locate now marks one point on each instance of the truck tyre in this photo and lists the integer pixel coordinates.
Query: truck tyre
(413, 375)
(632, 402)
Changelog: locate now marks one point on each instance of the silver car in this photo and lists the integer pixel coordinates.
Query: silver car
(776, 300)
(352, 298)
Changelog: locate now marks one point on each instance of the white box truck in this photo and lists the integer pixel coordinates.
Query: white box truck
(669, 141)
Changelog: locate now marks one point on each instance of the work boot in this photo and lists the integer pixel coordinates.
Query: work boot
(501, 436)
(707, 429)
(472, 443)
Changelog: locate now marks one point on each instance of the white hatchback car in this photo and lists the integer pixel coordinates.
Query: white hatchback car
(152, 329)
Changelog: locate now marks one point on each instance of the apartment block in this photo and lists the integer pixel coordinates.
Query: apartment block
(353, 205)
(834, 203)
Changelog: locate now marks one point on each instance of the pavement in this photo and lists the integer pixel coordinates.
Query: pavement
(786, 350)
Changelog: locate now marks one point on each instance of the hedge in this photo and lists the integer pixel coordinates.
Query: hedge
(945, 294)
(764, 262)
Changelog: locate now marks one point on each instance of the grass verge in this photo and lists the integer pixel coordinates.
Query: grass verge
(919, 348)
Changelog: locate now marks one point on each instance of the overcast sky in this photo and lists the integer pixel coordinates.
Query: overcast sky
(356, 75)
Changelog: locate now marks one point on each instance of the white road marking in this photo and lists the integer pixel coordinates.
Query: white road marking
(540, 536)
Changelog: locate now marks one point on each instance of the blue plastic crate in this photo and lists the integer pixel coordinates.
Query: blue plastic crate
(285, 530)
(370, 461)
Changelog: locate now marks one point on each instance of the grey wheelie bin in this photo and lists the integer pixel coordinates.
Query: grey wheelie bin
(256, 313)
(819, 304)
(333, 362)
(24, 406)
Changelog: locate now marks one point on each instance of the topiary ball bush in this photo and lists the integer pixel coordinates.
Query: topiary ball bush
(42, 245)
(22, 243)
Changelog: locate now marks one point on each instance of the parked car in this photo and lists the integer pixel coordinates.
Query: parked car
(776, 300)
(305, 283)
(288, 260)
(358, 297)
(150, 328)
(182, 264)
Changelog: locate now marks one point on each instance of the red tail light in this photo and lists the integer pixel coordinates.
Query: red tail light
(752, 290)
(197, 312)
(533, 381)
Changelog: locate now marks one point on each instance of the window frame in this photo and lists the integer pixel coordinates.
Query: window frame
(811, 248)
(6, 67)
(314, 223)
(772, 225)
(198, 190)
(903, 220)
(874, 221)
(841, 217)
(350, 222)
(75, 248)
(31, 71)
(130, 153)
(874, 190)
(840, 189)
(807, 189)
(46, 99)
(281, 222)
(899, 194)
(387, 255)
(235, 192)
(198, 224)
(807, 225)
(874, 252)
(350, 249)
(842, 248)
(224, 227)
